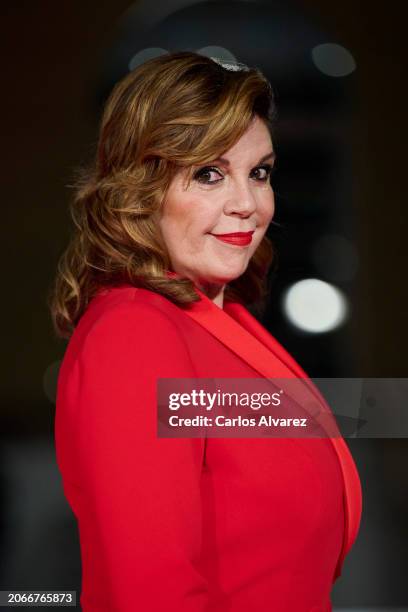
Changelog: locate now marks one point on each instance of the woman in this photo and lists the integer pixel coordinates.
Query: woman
(170, 244)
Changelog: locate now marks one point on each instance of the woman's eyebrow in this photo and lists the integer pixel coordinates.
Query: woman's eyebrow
(271, 155)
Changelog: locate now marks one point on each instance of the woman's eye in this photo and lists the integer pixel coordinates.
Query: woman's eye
(265, 172)
(201, 175)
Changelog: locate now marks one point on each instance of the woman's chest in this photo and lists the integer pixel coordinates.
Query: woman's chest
(296, 482)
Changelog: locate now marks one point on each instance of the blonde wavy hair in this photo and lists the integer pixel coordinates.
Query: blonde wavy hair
(177, 110)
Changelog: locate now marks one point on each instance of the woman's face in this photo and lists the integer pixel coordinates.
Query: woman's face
(225, 196)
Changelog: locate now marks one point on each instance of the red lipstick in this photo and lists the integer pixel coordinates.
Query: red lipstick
(238, 238)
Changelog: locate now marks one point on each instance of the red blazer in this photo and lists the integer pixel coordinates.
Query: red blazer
(192, 525)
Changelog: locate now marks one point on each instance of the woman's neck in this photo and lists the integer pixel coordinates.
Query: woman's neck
(214, 292)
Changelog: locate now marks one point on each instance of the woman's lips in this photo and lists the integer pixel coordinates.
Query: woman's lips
(238, 238)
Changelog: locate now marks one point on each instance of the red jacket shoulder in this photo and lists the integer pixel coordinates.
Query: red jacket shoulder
(130, 320)
(128, 307)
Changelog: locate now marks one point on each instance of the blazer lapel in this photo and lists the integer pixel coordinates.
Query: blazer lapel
(245, 336)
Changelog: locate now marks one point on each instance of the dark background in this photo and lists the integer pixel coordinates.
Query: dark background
(341, 147)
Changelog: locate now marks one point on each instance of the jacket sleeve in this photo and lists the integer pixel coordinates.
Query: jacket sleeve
(139, 509)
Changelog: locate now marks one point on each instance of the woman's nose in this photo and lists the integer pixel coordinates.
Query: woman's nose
(241, 201)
